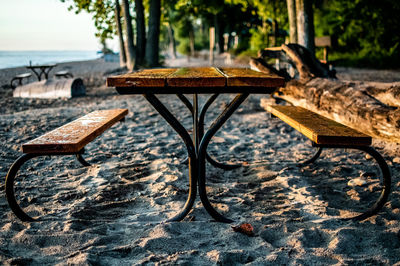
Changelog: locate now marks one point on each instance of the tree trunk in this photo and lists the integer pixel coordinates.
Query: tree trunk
(219, 31)
(153, 35)
(305, 24)
(122, 53)
(275, 26)
(172, 43)
(130, 47)
(140, 33)
(191, 42)
(291, 6)
(369, 107)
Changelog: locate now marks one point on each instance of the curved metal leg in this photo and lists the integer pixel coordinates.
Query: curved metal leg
(185, 101)
(312, 159)
(153, 100)
(224, 166)
(189, 105)
(80, 158)
(12, 202)
(386, 183)
(185, 161)
(386, 177)
(202, 155)
(215, 163)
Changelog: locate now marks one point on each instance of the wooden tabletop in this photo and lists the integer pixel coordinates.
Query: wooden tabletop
(195, 80)
(41, 66)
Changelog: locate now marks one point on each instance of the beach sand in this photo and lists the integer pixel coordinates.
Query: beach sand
(112, 212)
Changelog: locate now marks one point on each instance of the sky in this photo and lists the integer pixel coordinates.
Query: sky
(45, 25)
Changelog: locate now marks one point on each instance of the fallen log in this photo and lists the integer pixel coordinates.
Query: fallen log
(369, 107)
(51, 88)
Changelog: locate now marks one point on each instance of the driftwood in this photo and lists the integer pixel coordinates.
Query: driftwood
(52, 88)
(369, 107)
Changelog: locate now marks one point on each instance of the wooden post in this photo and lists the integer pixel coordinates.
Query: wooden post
(236, 42)
(212, 43)
(226, 40)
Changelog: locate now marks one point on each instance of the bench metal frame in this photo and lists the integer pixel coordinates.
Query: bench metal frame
(16, 166)
(12, 172)
(385, 172)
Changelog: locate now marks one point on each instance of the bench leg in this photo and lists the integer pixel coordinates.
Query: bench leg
(10, 178)
(386, 183)
(312, 159)
(385, 172)
(15, 79)
(10, 196)
(80, 158)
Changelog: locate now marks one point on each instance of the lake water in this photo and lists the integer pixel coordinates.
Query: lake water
(22, 58)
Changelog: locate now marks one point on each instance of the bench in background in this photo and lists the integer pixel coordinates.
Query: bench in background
(63, 74)
(19, 79)
(69, 139)
(326, 133)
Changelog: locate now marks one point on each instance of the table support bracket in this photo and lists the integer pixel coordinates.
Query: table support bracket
(210, 159)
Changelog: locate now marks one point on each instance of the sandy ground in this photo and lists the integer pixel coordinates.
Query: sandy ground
(111, 213)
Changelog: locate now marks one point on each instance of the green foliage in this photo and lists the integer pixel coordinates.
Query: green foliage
(367, 31)
(184, 47)
(259, 38)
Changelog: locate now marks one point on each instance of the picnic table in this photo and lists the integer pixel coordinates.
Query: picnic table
(205, 80)
(40, 70)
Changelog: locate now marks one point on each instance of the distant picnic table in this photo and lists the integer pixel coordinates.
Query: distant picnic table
(40, 70)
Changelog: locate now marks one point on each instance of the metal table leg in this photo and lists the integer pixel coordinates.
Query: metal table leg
(193, 171)
(216, 125)
(197, 147)
(201, 119)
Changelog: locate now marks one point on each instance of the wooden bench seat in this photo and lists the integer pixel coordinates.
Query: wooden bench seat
(69, 139)
(326, 133)
(72, 137)
(317, 128)
(63, 74)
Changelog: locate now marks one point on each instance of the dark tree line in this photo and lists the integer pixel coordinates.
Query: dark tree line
(361, 29)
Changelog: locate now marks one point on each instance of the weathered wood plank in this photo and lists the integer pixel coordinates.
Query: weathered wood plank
(319, 129)
(143, 78)
(73, 136)
(245, 77)
(196, 77)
